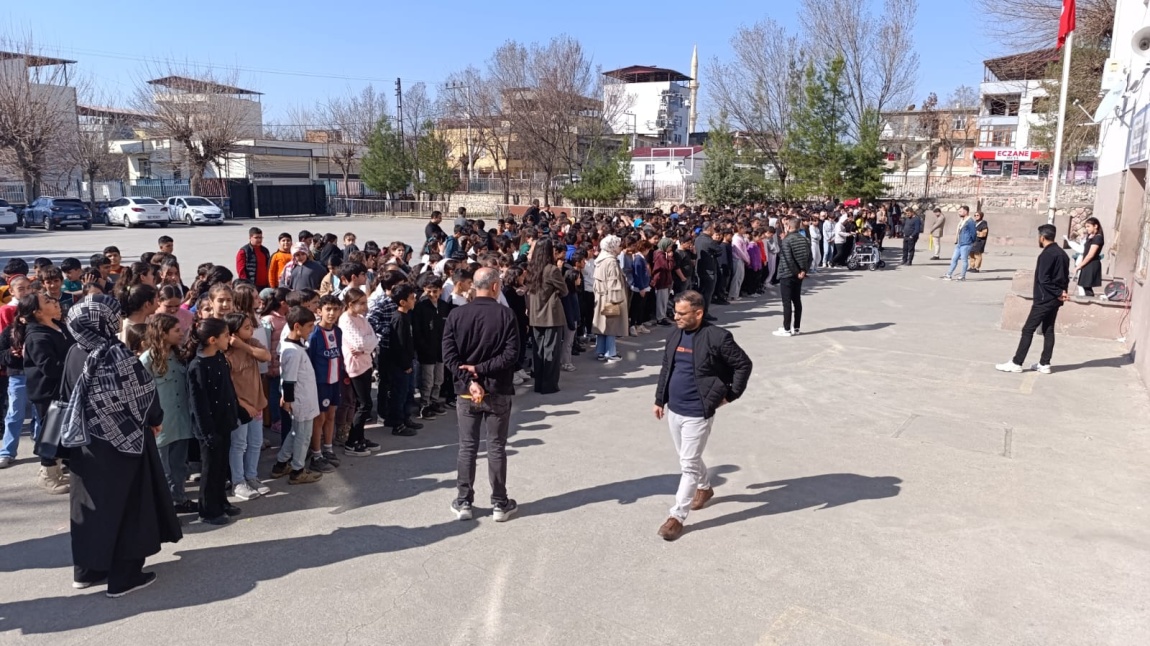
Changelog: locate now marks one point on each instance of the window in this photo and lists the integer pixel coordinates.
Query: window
(997, 136)
(959, 123)
(677, 139)
(145, 168)
(648, 169)
(1003, 106)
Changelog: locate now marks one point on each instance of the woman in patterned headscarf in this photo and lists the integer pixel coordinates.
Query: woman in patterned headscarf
(121, 508)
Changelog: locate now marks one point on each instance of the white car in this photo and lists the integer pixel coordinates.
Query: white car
(191, 209)
(8, 217)
(134, 211)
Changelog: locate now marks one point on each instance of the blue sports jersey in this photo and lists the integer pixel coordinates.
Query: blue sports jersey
(323, 348)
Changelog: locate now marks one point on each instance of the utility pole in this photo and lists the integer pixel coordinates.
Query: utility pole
(399, 118)
(470, 151)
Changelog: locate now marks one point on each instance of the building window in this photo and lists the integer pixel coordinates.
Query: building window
(960, 152)
(959, 123)
(997, 137)
(1006, 105)
(678, 139)
(145, 168)
(648, 169)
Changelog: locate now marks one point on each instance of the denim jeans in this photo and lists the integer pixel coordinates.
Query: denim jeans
(174, 458)
(605, 345)
(963, 252)
(247, 440)
(296, 444)
(19, 409)
(487, 421)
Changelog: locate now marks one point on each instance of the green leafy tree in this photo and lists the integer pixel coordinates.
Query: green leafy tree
(384, 166)
(436, 177)
(605, 180)
(865, 162)
(724, 182)
(816, 135)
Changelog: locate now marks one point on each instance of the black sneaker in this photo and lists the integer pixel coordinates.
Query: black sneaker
(410, 423)
(427, 412)
(281, 469)
(146, 579)
(462, 509)
(320, 465)
(439, 408)
(331, 458)
(374, 447)
(187, 507)
(506, 511)
(218, 520)
(357, 449)
(403, 430)
(232, 510)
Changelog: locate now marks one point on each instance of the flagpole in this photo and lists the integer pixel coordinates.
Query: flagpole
(1056, 169)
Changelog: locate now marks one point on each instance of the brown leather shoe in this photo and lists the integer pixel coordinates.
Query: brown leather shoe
(671, 529)
(702, 496)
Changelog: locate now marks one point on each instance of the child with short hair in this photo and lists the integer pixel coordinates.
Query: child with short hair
(166, 244)
(72, 271)
(400, 360)
(300, 399)
(323, 349)
(112, 253)
(427, 321)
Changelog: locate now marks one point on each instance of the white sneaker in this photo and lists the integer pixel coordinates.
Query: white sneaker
(569, 367)
(643, 329)
(261, 488)
(518, 381)
(633, 331)
(946, 277)
(782, 332)
(1009, 366)
(243, 491)
(1038, 367)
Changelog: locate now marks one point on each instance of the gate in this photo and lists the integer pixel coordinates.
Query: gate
(240, 198)
(292, 200)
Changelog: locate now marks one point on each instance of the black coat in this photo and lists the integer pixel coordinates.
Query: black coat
(722, 368)
(427, 321)
(483, 334)
(215, 408)
(121, 506)
(45, 350)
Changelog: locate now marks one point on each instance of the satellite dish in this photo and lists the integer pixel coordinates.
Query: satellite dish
(1140, 43)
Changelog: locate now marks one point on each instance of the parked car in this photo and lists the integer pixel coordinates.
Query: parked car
(55, 212)
(135, 211)
(191, 209)
(8, 219)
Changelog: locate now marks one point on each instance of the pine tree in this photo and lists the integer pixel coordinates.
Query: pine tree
(723, 183)
(384, 166)
(866, 162)
(816, 136)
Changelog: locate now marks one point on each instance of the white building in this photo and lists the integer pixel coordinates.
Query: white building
(1122, 204)
(42, 84)
(671, 165)
(1012, 103)
(657, 104)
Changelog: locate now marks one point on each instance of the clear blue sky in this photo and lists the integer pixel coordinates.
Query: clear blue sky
(332, 47)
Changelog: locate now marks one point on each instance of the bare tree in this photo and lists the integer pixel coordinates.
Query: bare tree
(1033, 24)
(419, 110)
(758, 89)
(481, 109)
(349, 122)
(881, 63)
(200, 111)
(91, 153)
(37, 112)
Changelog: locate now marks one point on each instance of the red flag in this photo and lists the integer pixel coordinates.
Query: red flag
(1066, 22)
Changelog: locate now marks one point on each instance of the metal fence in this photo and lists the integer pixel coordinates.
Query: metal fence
(14, 193)
(383, 206)
(1021, 189)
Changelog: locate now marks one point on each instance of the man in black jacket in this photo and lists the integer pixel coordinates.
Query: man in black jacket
(707, 253)
(481, 351)
(794, 263)
(703, 369)
(1051, 278)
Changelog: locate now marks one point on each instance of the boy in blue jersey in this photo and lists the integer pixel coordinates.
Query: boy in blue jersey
(323, 349)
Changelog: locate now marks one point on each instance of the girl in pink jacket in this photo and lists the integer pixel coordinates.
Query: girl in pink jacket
(359, 343)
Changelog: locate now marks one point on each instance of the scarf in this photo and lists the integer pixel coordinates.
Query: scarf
(111, 398)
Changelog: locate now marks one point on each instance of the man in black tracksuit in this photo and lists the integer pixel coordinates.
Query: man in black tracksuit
(707, 253)
(703, 369)
(481, 352)
(1051, 278)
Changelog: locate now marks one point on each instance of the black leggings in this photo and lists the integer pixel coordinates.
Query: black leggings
(362, 387)
(42, 412)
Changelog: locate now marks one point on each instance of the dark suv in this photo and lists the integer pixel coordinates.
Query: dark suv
(55, 212)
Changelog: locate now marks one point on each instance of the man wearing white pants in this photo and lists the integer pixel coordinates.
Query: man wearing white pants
(739, 261)
(703, 369)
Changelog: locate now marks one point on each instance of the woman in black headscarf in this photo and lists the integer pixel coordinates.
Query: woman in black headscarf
(121, 508)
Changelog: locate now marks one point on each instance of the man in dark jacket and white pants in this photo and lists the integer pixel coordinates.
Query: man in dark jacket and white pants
(703, 369)
(794, 263)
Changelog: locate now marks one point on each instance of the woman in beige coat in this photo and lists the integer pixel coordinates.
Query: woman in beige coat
(610, 293)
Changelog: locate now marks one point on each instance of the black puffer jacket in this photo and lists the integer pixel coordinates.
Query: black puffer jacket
(44, 352)
(722, 368)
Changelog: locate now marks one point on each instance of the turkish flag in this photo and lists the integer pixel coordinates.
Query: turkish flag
(1066, 22)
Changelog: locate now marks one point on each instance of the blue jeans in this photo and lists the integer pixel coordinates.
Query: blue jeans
(296, 444)
(963, 252)
(605, 345)
(247, 440)
(174, 457)
(19, 409)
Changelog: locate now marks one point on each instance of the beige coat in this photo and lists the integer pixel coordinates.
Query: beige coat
(610, 287)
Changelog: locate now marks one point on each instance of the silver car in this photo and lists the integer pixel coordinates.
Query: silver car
(191, 209)
(136, 211)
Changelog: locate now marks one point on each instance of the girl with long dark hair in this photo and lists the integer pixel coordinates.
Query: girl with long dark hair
(546, 288)
(161, 357)
(215, 414)
(39, 330)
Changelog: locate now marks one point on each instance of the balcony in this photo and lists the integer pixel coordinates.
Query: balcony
(990, 122)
